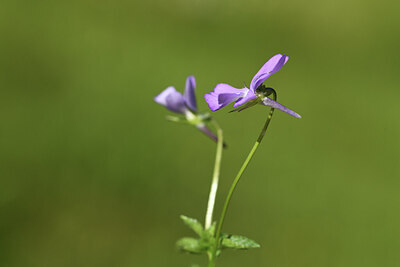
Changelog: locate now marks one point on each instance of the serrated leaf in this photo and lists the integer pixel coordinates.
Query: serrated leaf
(238, 242)
(190, 244)
(194, 224)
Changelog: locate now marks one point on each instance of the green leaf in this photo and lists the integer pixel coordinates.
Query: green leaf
(190, 244)
(193, 224)
(238, 242)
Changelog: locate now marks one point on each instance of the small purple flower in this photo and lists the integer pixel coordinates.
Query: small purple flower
(225, 94)
(185, 104)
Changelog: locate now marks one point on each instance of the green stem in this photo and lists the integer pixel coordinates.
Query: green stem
(235, 182)
(214, 182)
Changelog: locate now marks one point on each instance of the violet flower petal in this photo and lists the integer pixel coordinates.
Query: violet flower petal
(226, 99)
(223, 88)
(223, 95)
(212, 101)
(171, 99)
(161, 97)
(176, 102)
(271, 103)
(189, 96)
(269, 68)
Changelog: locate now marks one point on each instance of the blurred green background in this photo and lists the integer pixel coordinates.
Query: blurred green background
(91, 174)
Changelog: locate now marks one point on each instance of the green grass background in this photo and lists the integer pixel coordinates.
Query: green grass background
(91, 174)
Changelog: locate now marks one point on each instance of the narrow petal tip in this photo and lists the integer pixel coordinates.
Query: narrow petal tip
(295, 115)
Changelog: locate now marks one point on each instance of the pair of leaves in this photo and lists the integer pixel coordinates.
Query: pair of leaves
(206, 241)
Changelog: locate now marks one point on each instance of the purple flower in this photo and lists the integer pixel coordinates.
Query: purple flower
(185, 104)
(225, 94)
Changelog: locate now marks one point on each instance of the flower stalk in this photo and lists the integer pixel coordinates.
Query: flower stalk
(215, 178)
(236, 181)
